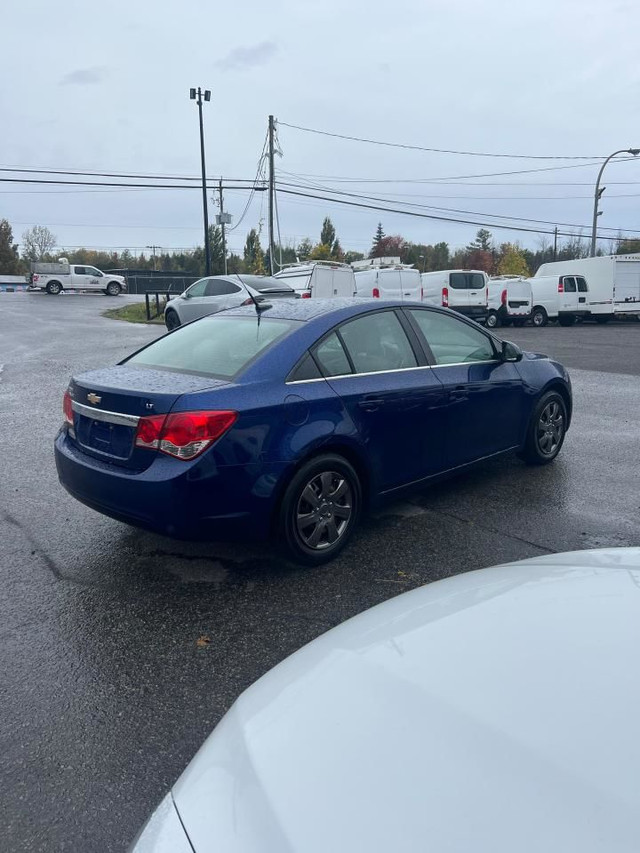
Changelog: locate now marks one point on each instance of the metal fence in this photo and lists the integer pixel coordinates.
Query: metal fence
(148, 281)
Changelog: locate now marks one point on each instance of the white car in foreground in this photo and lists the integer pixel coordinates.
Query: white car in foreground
(493, 711)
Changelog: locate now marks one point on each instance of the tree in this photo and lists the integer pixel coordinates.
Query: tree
(391, 247)
(627, 247)
(321, 252)
(37, 242)
(376, 242)
(235, 264)
(350, 257)
(440, 259)
(483, 241)
(216, 252)
(328, 233)
(512, 261)
(479, 259)
(336, 250)
(304, 249)
(253, 254)
(9, 261)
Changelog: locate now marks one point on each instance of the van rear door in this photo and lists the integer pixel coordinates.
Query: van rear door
(626, 286)
(467, 293)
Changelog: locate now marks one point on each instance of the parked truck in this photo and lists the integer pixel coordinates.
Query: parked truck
(319, 279)
(613, 283)
(59, 276)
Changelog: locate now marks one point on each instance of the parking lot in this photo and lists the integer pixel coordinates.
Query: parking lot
(122, 649)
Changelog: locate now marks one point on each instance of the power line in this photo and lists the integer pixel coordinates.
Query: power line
(42, 170)
(116, 184)
(441, 150)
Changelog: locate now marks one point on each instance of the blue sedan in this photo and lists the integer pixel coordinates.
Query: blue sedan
(288, 420)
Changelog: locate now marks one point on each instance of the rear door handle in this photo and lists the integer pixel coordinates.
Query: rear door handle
(459, 393)
(370, 405)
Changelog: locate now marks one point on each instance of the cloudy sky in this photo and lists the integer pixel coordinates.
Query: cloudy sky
(104, 87)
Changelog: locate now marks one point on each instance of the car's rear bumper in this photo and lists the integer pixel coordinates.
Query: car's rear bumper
(196, 500)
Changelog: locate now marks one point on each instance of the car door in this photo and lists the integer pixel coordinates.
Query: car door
(568, 296)
(487, 403)
(192, 304)
(79, 278)
(93, 279)
(397, 404)
(222, 293)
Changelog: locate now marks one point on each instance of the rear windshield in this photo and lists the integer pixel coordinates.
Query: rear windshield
(214, 346)
(272, 285)
(466, 280)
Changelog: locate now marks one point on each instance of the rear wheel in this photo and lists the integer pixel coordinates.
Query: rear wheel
(546, 431)
(171, 320)
(493, 321)
(53, 287)
(566, 319)
(320, 510)
(113, 288)
(539, 316)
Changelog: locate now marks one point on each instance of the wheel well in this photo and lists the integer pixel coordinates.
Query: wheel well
(340, 449)
(539, 308)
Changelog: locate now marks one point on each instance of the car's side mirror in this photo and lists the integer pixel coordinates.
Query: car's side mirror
(510, 352)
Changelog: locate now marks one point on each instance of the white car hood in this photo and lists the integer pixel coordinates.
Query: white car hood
(494, 711)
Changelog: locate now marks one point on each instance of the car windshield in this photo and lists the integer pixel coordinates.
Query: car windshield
(214, 346)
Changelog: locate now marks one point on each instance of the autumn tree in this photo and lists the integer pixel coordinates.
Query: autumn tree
(320, 252)
(512, 261)
(9, 261)
(391, 247)
(37, 242)
(479, 259)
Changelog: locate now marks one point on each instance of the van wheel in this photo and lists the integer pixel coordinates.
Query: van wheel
(602, 318)
(566, 319)
(539, 316)
(53, 287)
(113, 288)
(546, 430)
(493, 321)
(320, 510)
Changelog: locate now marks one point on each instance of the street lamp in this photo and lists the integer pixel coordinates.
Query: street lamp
(598, 193)
(197, 95)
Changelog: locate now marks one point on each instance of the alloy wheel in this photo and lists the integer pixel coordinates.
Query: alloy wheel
(324, 510)
(550, 429)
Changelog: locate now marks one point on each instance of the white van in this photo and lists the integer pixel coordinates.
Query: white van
(510, 301)
(559, 297)
(465, 291)
(319, 279)
(389, 283)
(613, 282)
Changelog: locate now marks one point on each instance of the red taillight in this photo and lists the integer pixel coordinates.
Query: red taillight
(67, 408)
(183, 435)
(376, 293)
(503, 298)
(422, 294)
(35, 276)
(560, 285)
(306, 294)
(445, 297)
(248, 301)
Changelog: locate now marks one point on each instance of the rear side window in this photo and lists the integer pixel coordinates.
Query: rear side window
(214, 346)
(453, 341)
(79, 270)
(569, 284)
(220, 287)
(331, 356)
(582, 285)
(307, 369)
(377, 342)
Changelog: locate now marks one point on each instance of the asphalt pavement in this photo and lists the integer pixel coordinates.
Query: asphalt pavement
(120, 650)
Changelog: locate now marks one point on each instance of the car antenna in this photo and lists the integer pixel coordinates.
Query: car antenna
(259, 308)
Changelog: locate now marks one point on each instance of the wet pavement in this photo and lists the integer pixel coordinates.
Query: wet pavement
(120, 650)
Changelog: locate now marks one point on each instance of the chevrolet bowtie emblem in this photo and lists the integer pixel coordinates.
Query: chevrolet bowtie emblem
(93, 398)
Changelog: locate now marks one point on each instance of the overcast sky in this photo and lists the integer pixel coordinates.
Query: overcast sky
(105, 87)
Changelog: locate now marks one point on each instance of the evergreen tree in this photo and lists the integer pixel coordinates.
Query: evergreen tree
(328, 233)
(483, 241)
(9, 261)
(376, 241)
(253, 254)
(216, 251)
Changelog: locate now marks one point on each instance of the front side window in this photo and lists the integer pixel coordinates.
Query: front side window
(582, 285)
(377, 342)
(198, 288)
(569, 284)
(92, 271)
(214, 346)
(453, 341)
(331, 356)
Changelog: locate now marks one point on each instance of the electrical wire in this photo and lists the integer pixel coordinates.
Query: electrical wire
(441, 150)
(255, 184)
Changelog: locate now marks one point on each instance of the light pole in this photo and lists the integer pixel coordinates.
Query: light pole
(197, 94)
(598, 193)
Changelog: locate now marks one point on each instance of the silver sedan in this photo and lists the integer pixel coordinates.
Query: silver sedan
(208, 295)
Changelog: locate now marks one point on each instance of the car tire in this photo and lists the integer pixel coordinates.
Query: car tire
(53, 288)
(322, 501)
(546, 431)
(113, 288)
(539, 317)
(493, 321)
(566, 319)
(171, 320)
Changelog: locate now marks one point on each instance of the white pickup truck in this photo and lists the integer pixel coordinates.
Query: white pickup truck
(56, 277)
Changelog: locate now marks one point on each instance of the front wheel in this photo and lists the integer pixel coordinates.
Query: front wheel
(546, 431)
(539, 317)
(320, 510)
(493, 321)
(113, 288)
(171, 320)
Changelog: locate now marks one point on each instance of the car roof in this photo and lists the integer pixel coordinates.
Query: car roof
(336, 309)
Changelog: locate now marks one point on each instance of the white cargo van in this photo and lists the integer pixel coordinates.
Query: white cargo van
(400, 282)
(465, 291)
(319, 279)
(56, 277)
(559, 297)
(613, 283)
(510, 301)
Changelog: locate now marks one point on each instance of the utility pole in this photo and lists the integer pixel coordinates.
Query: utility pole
(197, 94)
(555, 242)
(271, 193)
(153, 255)
(222, 221)
(598, 193)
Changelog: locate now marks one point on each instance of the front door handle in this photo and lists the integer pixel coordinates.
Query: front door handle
(458, 394)
(371, 405)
